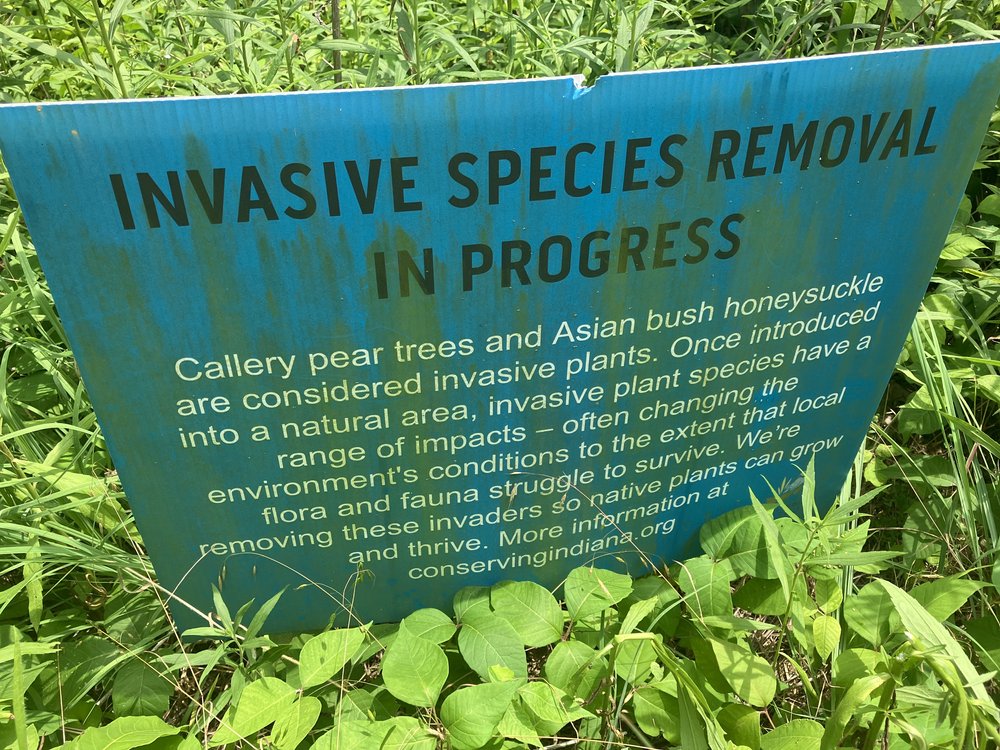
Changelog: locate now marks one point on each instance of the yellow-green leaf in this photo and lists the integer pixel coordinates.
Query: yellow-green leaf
(750, 676)
(826, 635)
(261, 703)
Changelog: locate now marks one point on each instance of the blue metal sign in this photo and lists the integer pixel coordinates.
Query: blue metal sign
(374, 346)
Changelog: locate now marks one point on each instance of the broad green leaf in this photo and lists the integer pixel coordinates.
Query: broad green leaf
(793, 537)
(292, 727)
(432, 624)
(637, 612)
(945, 596)
(707, 586)
(761, 597)
(826, 635)
(486, 639)
(8, 735)
(327, 653)
(261, 702)
(590, 591)
(984, 632)
(989, 385)
(909, 9)
(850, 703)
(362, 705)
(958, 246)
(692, 730)
(708, 673)
(407, 733)
(517, 725)
(922, 471)
(717, 534)
(668, 607)
(919, 415)
(798, 734)
(944, 309)
(990, 206)
(131, 622)
(532, 611)
(867, 613)
(351, 735)
(139, 690)
(829, 594)
(932, 634)
(397, 733)
(920, 722)
(741, 724)
(575, 668)
(124, 733)
(470, 714)
(854, 663)
(923, 524)
(471, 598)
(551, 709)
(176, 742)
(750, 676)
(84, 665)
(634, 657)
(414, 669)
(656, 713)
(690, 695)
(748, 554)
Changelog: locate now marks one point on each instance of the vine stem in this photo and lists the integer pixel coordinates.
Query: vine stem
(885, 21)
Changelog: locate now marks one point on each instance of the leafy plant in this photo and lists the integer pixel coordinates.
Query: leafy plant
(791, 630)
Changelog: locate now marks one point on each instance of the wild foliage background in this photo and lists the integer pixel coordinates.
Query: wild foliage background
(876, 626)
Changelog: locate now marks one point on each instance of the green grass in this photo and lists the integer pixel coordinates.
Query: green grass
(84, 637)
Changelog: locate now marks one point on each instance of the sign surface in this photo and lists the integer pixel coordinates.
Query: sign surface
(378, 345)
